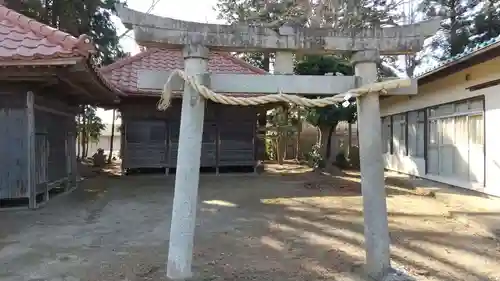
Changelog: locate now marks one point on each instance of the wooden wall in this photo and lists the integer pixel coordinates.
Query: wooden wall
(54, 123)
(13, 146)
(151, 137)
(54, 128)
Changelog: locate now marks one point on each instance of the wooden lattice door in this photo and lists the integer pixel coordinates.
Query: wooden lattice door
(41, 160)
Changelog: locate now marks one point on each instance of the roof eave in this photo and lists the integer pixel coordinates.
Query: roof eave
(83, 78)
(427, 77)
(41, 62)
(107, 71)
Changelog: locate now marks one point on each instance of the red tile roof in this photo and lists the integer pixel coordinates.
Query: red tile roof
(123, 74)
(22, 38)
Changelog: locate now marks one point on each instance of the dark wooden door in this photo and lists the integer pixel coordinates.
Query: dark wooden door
(146, 144)
(208, 147)
(41, 161)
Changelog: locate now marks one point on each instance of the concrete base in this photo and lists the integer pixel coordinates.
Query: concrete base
(395, 276)
(186, 279)
(361, 273)
(398, 275)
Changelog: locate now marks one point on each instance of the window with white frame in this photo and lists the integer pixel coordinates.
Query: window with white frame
(399, 134)
(456, 140)
(386, 134)
(416, 133)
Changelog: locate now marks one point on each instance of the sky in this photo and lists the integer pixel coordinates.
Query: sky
(190, 10)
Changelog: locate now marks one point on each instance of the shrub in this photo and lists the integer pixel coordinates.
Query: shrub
(270, 154)
(314, 157)
(341, 160)
(354, 157)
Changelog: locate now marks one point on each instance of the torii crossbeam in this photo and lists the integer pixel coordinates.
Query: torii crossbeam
(195, 39)
(151, 30)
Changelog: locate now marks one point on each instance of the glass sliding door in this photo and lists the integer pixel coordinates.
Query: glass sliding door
(476, 148)
(399, 134)
(446, 146)
(432, 148)
(386, 135)
(461, 148)
(455, 144)
(413, 133)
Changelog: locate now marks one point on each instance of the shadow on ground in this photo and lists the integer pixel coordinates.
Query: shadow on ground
(282, 225)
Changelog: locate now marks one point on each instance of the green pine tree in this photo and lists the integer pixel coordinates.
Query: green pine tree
(454, 34)
(91, 17)
(486, 22)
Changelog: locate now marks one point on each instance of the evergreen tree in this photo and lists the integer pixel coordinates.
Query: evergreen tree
(486, 22)
(351, 14)
(336, 14)
(327, 118)
(453, 37)
(89, 128)
(91, 17)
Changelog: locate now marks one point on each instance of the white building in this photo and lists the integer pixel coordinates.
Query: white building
(104, 141)
(450, 131)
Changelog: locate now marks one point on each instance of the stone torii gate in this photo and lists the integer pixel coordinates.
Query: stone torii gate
(195, 38)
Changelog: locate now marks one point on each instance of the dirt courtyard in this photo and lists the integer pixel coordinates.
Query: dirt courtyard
(249, 227)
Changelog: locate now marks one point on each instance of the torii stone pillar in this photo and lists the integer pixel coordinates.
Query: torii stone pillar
(180, 251)
(372, 169)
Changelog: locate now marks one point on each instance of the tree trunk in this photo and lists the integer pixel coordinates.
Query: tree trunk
(279, 149)
(54, 14)
(46, 17)
(285, 147)
(329, 143)
(87, 136)
(299, 131)
(78, 138)
(261, 124)
(266, 61)
(112, 137)
(285, 132)
(326, 141)
(275, 142)
(349, 140)
(15, 5)
(87, 148)
(84, 132)
(281, 133)
(78, 147)
(323, 141)
(357, 134)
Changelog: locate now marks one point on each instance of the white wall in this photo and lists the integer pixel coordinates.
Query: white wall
(105, 139)
(104, 142)
(449, 89)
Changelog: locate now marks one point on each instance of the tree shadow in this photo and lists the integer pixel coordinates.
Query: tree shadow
(275, 228)
(330, 239)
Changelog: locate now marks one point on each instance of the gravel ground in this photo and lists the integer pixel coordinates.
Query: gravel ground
(296, 226)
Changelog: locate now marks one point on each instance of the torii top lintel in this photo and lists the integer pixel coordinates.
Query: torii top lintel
(151, 30)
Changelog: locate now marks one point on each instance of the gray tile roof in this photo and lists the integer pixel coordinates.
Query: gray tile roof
(468, 53)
